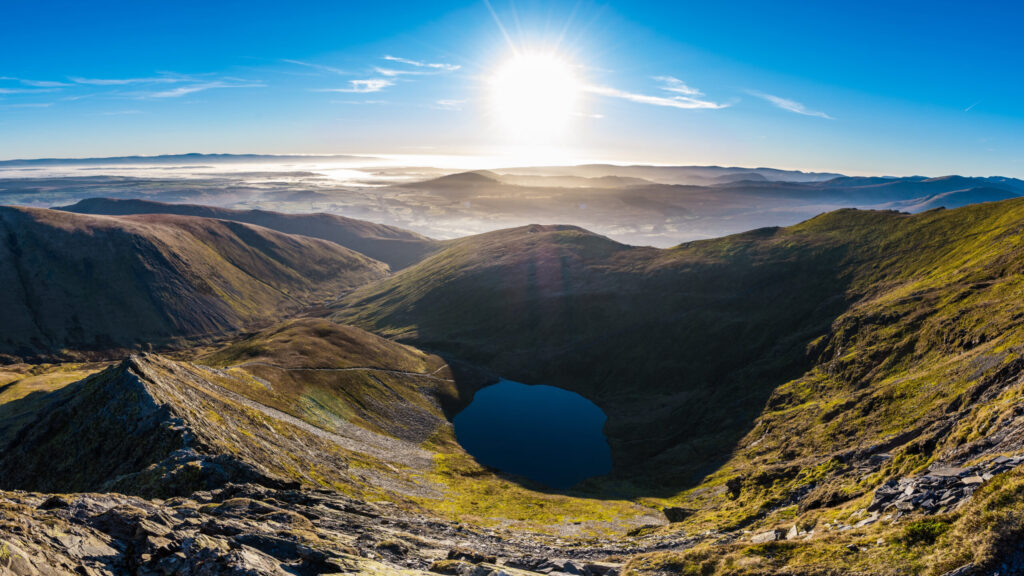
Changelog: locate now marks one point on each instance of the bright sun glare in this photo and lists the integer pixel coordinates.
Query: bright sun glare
(534, 95)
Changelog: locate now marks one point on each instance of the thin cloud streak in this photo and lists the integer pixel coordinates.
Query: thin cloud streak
(682, 102)
(126, 81)
(421, 64)
(25, 90)
(29, 105)
(323, 67)
(453, 105)
(391, 72)
(673, 84)
(790, 105)
(365, 86)
(36, 83)
(185, 90)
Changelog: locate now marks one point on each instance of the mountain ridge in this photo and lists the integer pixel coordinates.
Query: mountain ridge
(91, 282)
(392, 245)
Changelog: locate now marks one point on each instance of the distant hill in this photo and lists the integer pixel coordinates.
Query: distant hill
(460, 179)
(957, 198)
(490, 178)
(394, 246)
(693, 175)
(100, 282)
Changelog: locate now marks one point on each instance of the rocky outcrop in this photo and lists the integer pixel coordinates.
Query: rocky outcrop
(944, 488)
(155, 427)
(253, 530)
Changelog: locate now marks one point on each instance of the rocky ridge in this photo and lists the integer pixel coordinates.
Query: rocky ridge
(155, 427)
(253, 530)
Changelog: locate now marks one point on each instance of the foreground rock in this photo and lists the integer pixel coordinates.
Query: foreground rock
(943, 489)
(250, 529)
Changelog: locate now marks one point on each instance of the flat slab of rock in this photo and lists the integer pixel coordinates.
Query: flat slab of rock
(769, 536)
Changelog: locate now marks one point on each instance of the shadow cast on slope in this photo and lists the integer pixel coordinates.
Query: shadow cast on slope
(681, 353)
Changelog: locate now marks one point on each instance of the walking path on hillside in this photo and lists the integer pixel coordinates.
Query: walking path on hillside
(430, 375)
(346, 435)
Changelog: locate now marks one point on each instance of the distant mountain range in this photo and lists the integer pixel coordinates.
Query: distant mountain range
(184, 159)
(638, 205)
(675, 174)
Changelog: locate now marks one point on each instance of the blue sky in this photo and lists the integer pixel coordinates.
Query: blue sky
(867, 87)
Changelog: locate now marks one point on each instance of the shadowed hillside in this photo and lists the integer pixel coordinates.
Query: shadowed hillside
(97, 282)
(681, 347)
(821, 376)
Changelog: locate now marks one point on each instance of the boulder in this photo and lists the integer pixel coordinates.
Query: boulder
(471, 556)
(769, 536)
(676, 514)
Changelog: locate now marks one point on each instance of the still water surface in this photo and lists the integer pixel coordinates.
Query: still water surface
(547, 434)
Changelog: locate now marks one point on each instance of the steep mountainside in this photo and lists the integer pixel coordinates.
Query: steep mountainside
(653, 337)
(98, 282)
(706, 331)
(307, 448)
(844, 396)
(826, 378)
(394, 246)
(153, 426)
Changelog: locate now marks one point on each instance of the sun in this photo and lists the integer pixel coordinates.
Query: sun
(534, 96)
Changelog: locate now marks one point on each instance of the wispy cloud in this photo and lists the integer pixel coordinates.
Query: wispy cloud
(193, 88)
(673, 84)
(363, 86)
(688, 98)
(421, 64)
(384, 76)
(23, 90)
(127, 81)
(45, 83)
(790, 105)
(36, 83)
(971, 107)
(454, 105)
(392, 72)
(315, 66)
(29, 105)
(359, 101)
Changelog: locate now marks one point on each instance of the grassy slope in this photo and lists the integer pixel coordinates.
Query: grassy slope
(18, 381)
(154, 427)
(321, 372)
(396, 247)
(99, 282)
(791, 355)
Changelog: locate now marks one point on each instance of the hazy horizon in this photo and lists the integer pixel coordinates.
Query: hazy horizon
(469, 162)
